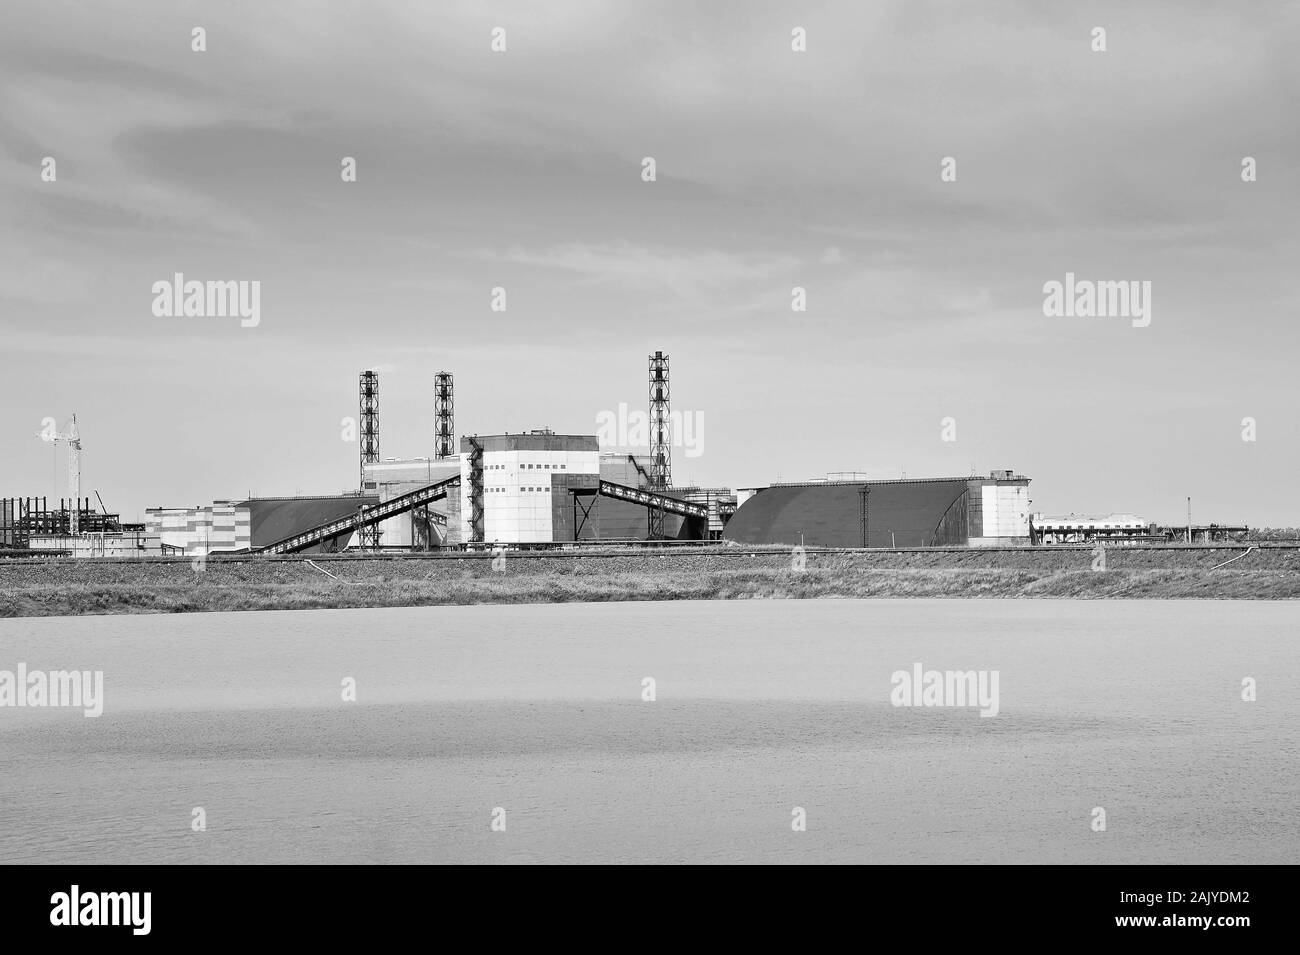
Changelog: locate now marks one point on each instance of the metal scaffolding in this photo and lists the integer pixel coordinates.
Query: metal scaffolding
(476, 530)
(444, 420)
(22, 518)
(368, 534)
(660, 439)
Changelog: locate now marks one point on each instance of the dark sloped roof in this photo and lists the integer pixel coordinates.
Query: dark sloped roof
(830, 515)
(273, 519)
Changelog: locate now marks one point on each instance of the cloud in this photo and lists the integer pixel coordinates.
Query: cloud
(689, 275)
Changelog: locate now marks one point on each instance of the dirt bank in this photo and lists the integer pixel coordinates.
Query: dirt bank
(64, 587)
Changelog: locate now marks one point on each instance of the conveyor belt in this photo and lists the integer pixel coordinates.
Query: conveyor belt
(365, 517)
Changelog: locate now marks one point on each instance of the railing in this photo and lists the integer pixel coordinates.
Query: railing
(669, 505)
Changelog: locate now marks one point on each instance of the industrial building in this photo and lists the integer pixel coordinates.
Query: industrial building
(514, 487)
(909, 512)
(1083, 528)
(132, 543)
(531, 489)
(422, 528)
(234, 526)
(1127, 529)
(539, 488)
(29, 524)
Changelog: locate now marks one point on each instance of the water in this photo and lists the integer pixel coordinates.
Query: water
(761, 706)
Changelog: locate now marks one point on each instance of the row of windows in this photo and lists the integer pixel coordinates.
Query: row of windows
(1092, 527)
(540, 467)
(498, 490)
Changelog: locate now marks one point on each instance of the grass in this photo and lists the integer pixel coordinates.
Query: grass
(191, 593)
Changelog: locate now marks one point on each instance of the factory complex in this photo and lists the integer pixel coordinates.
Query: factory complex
(539, 489)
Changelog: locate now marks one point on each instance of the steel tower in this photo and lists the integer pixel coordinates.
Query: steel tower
(369, 396)
(660, 438)
(444, 418)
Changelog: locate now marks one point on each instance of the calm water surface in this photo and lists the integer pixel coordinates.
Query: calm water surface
(761, 706)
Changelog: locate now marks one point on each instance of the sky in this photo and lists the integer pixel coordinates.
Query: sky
(774, 169)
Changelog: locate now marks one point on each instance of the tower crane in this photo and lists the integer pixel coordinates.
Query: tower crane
(72, 437)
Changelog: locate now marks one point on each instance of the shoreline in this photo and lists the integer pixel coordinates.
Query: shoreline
(31, 588)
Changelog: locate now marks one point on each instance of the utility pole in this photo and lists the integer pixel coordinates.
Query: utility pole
(1189, 520)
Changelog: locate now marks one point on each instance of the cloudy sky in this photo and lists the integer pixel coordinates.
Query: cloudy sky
(775, 169)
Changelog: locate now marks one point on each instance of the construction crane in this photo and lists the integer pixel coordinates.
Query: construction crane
(73, 439)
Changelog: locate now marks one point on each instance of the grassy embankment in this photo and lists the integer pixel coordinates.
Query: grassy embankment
(101, 587)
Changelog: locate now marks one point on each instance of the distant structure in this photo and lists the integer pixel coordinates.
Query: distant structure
(539, 487)
(444, 416)
(660, 438)
(75, 529)
(369, 393)
(1087, 528)
(471, 482)
(1126, 529)
(73, 438)
(239, 526)
(369, 397)
(988, 511)
(28, 526)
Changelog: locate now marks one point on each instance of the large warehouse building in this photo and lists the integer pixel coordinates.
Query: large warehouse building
(912, 512)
